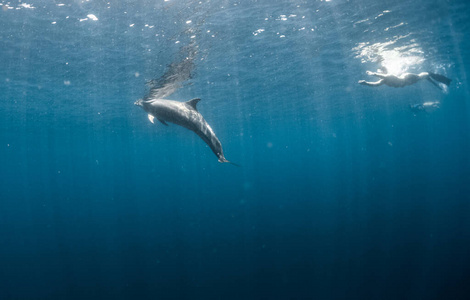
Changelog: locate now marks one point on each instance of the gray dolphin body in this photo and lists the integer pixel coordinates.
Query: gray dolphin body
(186, 115)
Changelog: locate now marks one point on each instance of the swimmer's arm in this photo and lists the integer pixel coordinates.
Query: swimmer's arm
(377, 83)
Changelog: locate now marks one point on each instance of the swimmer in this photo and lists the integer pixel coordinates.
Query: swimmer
(405, 79)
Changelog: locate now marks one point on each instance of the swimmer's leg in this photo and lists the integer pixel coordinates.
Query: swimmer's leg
(377, 83)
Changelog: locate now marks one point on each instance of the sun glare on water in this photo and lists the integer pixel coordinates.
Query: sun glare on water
(389, 58)
(397, 63)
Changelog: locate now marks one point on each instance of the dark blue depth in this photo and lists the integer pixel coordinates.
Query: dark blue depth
(343, 191)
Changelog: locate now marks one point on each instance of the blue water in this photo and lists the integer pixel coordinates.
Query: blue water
(343, 192)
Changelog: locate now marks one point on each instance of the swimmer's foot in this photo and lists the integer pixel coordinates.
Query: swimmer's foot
(363, 82)
(369, 73)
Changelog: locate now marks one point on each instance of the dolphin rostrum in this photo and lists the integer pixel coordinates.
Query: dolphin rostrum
(186, 115)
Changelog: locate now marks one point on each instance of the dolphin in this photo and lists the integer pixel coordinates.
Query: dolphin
(186, 115)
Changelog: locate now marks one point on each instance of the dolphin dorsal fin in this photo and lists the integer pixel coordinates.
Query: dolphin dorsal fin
(193, 102)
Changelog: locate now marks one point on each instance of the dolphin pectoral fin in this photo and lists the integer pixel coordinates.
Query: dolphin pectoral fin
(152, 119)
(193, 102)
(163, 122)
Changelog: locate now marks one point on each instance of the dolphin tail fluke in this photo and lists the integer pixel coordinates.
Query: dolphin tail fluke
(440, 78)
(224, 160)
